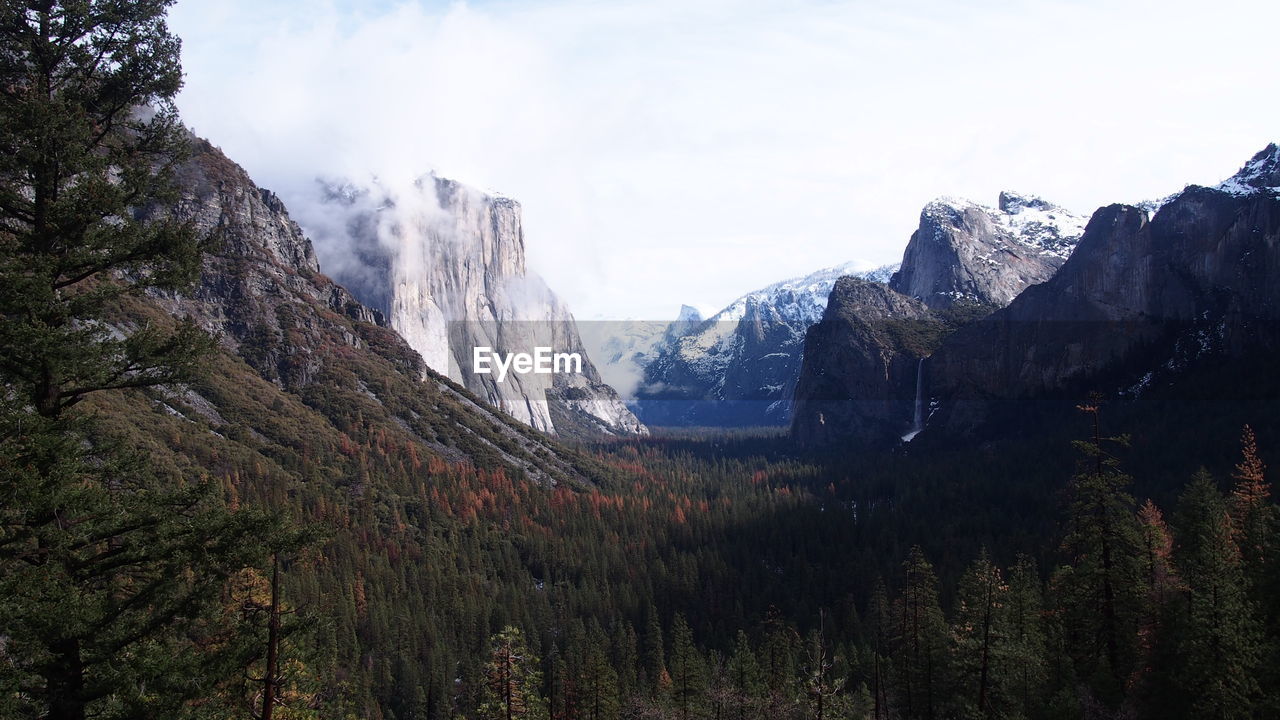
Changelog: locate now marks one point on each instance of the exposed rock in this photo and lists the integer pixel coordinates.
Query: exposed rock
(964, 252)
(1138, 297)
(446, 264)
(261, 294)
(861, 365)
(862, 374)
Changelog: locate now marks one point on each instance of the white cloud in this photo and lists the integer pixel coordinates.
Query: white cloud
(670, 152)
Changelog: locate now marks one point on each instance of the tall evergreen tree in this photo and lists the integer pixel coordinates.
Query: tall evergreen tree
(1026, 636)
(822, 684)
(108, 576)
(624, 655)
(1101, 587)
(512, 685)
(1218, 634)
(1253, 515)
(744, 676)
(686, 668)
(880, 617)
(654, 660)
(1254, 521)
(597, 679)
(920, 652)
(980, 636)
(1160, 584)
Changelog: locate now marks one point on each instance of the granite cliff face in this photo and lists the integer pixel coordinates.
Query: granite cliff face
(1140, 299)
(262, 296)
(445, 263)
(967, 253)
(863, 376)
(739, 367)
(262, 268)
(861, 365)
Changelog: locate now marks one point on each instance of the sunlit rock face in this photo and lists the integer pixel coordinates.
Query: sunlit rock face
(964, 252)
(445, 263)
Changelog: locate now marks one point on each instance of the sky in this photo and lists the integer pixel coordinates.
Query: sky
(670, 152)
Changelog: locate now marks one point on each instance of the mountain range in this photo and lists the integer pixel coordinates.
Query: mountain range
(1140, 299)
(742, 366)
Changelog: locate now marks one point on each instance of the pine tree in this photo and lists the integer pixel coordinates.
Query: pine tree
(512, 681)
(90, 137)
(597, 680)
(109, 577)
(821, 683)
(624, 655)
(1253, 516)
(686, 668)
(980, 636)
(777, 658)
(654, 663)
(745, 678)
(920, 643)
(1102, 587)
(880, 616)
(1026, 635)
(1160, 584)
(1254, 520)
(1218, 635)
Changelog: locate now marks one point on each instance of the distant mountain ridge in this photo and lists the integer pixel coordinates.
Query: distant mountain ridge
(739, 367)
(743, 365)
(1139, 298)
(1144, 297)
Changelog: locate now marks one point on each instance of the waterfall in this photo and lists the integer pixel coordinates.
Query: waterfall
(917, 418)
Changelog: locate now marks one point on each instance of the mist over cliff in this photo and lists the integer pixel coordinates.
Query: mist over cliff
(445, 263)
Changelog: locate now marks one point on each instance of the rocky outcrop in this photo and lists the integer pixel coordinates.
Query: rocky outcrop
(739, 367)
(863, 374)
(261, 268)
(861, 365)
(445, 263)
(261, 294)
(1140, 298)
(963, 252)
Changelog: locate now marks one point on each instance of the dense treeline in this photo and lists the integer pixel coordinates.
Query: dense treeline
(695, 578)
(1142, 618)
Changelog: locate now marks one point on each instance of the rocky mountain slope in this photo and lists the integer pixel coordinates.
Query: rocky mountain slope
(1139, 300)
(1142, 298)
(445, 264)
(743, 366)
(860, 362)
(864, 366)
(963, 252)
(740, 366)
(302, 363)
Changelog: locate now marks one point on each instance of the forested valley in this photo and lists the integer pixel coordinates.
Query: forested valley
(228, 491)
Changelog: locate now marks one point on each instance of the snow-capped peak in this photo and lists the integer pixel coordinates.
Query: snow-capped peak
(1028, 219)
(1015, 202)
(689, 314)
(803, 298)
(1260, 174)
